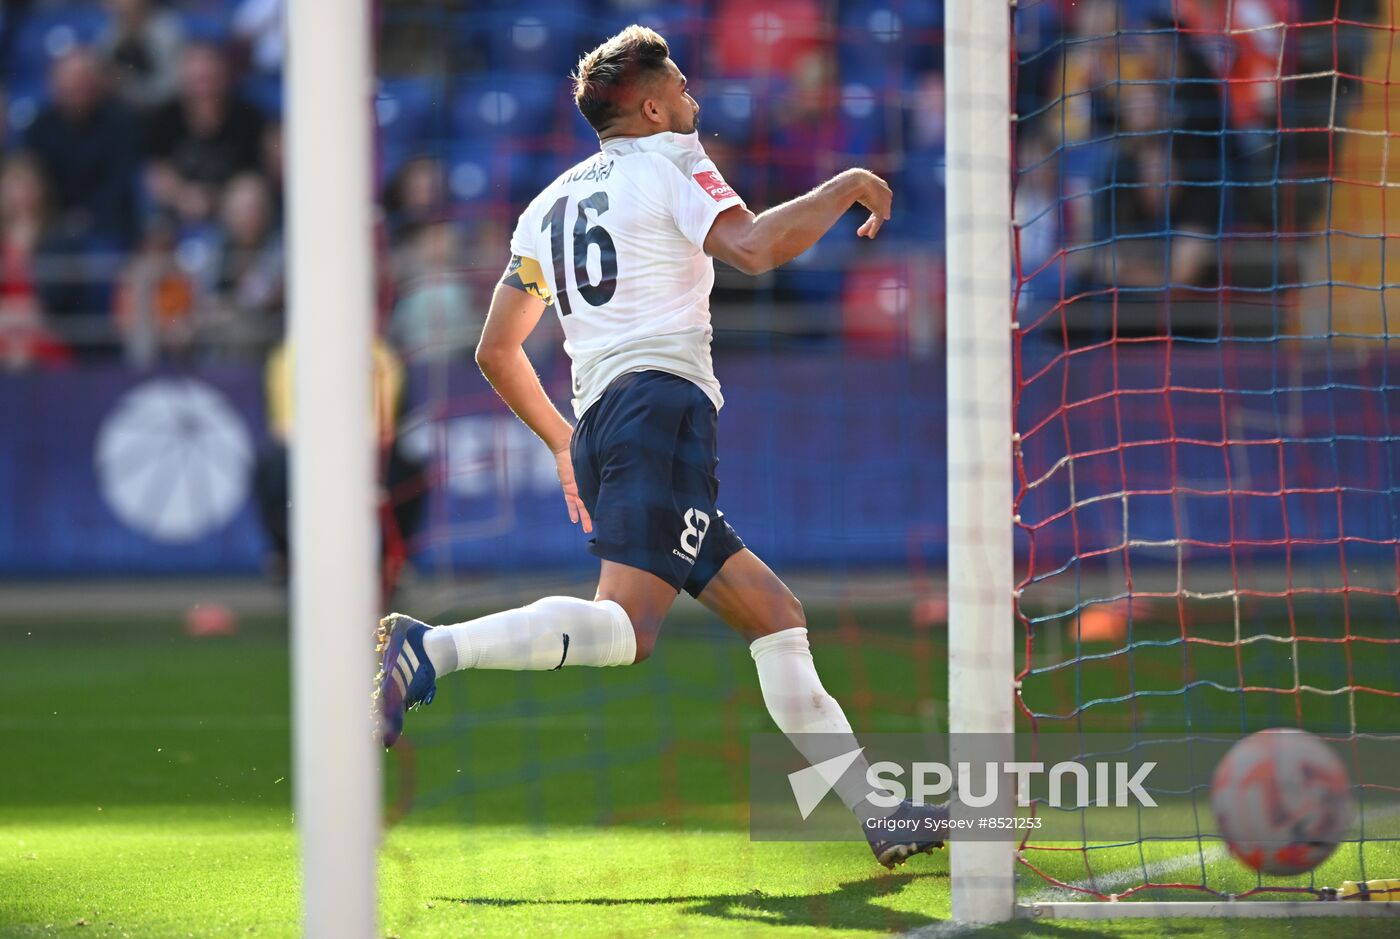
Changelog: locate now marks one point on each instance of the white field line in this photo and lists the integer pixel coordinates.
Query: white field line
(1111, 882)
(1158, 871)
(1105, 883)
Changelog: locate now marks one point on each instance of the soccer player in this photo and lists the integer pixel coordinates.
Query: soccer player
(621, 246)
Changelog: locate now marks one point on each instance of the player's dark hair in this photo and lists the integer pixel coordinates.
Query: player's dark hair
(605, 73)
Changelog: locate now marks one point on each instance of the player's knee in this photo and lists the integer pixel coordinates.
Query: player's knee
(646, 630)
(793, 615)
(645, 610)
(646, 624)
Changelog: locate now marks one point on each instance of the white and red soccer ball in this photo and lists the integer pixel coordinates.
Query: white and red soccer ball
(1282, 800)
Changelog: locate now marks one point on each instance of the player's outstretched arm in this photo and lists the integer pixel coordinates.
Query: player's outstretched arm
(515, 310)
(754, 244)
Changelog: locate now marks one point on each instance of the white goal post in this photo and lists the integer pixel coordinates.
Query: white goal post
(335, 579)
(980, 568)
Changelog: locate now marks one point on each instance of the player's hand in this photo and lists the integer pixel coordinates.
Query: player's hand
(564, 465)
(875, 194)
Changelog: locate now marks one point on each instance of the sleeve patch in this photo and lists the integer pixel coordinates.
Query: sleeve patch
(715, 185)
(525, 274)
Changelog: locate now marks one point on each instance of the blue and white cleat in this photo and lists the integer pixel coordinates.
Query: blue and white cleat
(909, 830)
(406, 678)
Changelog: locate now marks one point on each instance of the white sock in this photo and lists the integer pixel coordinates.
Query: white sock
(547, 634)
(810, 717)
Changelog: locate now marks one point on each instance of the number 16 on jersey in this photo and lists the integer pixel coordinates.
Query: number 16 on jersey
(585, 236)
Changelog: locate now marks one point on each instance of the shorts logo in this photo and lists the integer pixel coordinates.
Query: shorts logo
(715, 185)
(696, 524)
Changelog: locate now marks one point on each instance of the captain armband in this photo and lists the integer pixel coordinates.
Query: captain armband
(525, 274)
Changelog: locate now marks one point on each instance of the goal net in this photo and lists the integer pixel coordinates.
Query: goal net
(1206, 409)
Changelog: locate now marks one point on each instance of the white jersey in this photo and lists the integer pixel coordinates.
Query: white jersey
(620, 241)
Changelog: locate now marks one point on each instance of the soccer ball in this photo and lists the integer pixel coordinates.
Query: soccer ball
(1282, 800)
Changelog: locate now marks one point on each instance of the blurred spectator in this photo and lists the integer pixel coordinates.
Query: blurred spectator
(926, 114)
(806, 140)
(435, 318)
(403, 483)
(1325, 52)
(155, 298)
(203, 139)
(1163, 234)
(1249, 54)
(22, 223)
(25, 342)
(272, 164)
(87, 146)
(142, 49)
(259, 23)
(1156, 96)
(415, 195)
(765, 37)
(246, 312)
(1186, 100)
(1039, 215)
(1090, 66)
(24, 339)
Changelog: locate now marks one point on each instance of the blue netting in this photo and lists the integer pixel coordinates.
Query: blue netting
(1208, 487)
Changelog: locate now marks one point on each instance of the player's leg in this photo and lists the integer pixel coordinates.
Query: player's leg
(754, 601)
(732, 582)
(548, 634)
(623, 453)
(748, 596)
(618, 627)
(645, 598)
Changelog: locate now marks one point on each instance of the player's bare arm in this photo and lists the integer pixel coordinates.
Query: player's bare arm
(755, 244)
(516, 308)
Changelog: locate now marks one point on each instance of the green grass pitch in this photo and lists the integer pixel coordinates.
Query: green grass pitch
(146, 792)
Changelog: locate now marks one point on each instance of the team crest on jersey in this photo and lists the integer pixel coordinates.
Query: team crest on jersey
(714, 184)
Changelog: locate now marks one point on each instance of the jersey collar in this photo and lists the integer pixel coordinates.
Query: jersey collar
(691, 140)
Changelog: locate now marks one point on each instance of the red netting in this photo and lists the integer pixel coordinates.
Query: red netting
(1208, 459)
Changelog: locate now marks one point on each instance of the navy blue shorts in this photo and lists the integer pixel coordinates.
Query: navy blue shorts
(644, 457)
